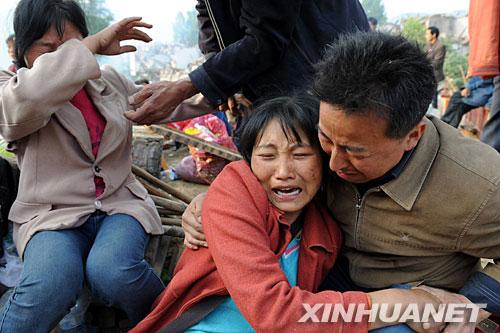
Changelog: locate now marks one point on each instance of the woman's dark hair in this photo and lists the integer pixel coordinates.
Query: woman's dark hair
(33, 18)
(295, 114)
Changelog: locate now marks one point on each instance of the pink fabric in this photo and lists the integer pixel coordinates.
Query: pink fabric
(12, 68)
(95, 124)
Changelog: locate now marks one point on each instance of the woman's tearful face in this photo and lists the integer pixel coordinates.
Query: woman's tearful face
(289, 171)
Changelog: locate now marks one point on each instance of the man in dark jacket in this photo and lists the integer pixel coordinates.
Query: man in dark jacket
(259, 47)
(436, 52)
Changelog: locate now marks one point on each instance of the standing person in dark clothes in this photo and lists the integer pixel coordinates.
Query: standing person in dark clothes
(436, 52)
(258, 46)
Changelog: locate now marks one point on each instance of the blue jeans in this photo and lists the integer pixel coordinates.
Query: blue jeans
(106, 251)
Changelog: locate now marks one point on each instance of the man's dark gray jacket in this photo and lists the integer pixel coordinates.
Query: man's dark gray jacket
(267, 47)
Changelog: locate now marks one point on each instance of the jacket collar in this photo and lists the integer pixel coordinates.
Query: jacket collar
(96, 86)
(107, 103)
(317, 236)
(405, 189)
(74, 122)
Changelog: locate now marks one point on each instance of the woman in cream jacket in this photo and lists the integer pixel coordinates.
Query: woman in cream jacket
(80, 215)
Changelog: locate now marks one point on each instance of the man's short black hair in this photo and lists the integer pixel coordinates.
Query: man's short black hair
(33, 18)
(295, 114)
(434, 31)
(378, 73)
(373, 20)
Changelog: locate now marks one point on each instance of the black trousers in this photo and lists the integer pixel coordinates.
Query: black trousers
(456, 110)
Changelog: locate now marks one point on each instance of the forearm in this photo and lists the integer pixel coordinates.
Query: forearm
(390, 298)
(29, 99)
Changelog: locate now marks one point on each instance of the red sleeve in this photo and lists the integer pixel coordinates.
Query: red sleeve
(234, 220)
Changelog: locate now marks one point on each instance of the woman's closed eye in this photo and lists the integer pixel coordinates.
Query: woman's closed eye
(266, 156)
(302, 152)
(302, 155)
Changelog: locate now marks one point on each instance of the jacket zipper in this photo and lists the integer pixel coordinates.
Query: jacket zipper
(359, 201)
(359, 205)
(218, 34)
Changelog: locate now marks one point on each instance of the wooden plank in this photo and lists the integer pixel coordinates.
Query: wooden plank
(209, 147)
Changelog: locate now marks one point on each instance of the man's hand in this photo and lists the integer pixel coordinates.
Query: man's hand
(446, 297)
(107, 41)
(191, 224)
(233, 101)
(158, 100)
(422, 298)
(404, 298)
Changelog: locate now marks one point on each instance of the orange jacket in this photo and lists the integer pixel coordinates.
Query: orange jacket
(247, 236)
(484, 38)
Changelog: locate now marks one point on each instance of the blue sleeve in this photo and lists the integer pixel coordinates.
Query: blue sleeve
(482, 288)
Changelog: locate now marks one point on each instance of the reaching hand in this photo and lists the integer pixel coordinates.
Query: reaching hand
(157, 101)
(107, 41)
(232, 101)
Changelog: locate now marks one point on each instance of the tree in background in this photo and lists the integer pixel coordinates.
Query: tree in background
(98, 16)
(455, 64)
(186, 29)
(376, 9)
(414, 30)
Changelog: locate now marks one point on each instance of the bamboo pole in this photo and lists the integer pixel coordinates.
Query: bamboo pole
(164, 212)
(171, 221)
(155, 191)
(179, 207)
(162, 185)
(464, 78)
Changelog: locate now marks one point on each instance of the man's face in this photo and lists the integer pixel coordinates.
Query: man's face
(357, 145)
(429, 36)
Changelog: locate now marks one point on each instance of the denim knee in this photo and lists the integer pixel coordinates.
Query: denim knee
(103, 278)
(132, 289)
(40, 301)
